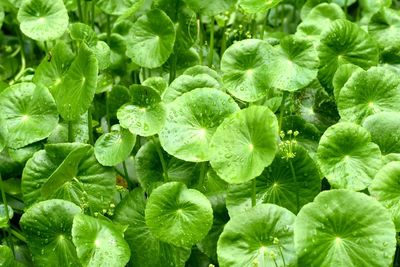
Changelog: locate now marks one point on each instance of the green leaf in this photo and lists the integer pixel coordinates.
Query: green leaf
(245, 70)
(116, 8)
(384, 128)
(255, 6)
(347, 157)
(146, 249)
(344, 42)
(113, 147)
(29, 113)
(191, 122)
(79, 129)
(99, 242)
(344, 228)
(210, 7)
(3, 134)
(50, 73)
(103, 54)
(178, 215)
(200, 69)
(261, 236)
(295, 65)
(244, 144)
(157, 83)
(89, 184)
(277, 184)
(385, 188)
(3, 215)
(369, 92)
(82, 32)
(150, 172)
(75, 92)
(145, 114)
(342, 75)
(6, 255)
(43, 20)
(309, 5)
(151, 39)
(47, 227)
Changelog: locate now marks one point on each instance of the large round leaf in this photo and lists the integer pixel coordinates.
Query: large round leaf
(43, 20)
(385, 131)
(29, 113)
(244, 65)
(75, 92)
(344, 228)
(279, 185)
(210, 7)
(369, 92)
(68, 171)
(112, 148)
(385, 188)
(294, 66)
(261, 236)
(244, 144)
(178, 215)
(191, 122)
(47, 227)
(118, 7)
(347, 157)
(255, 6)
(151, 39)
(344, 42)
(99, 242)
(145, 114)
(342, 75)
(149, 169)
(146, 249)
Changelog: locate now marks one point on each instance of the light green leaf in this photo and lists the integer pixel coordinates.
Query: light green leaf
(99, 242)
(347, 157)
(255, 6)
(178, 215)
(342, 75)
(47, 227)
(261, 236)
(3, 215)
(29, 113)
(344, 228)
(210, 7)
(191, 122)
(118, 7)
(244, 144)
(6, 256)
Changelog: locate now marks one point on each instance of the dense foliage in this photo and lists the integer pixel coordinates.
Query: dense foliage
(177, 133)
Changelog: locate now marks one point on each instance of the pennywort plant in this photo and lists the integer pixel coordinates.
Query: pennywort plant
(179, 133)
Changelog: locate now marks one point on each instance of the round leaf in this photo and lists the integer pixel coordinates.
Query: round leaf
(347, 157)
(344, 42)
(47, 227)
(245, 70)
(43, 20)
(210, 7)
(178, 215)
(29, 113)
(255, 6)
(145, 115)
(117, 7)
(385, 131)
(151, 39)
(278, 185)
(6, 255)
(385, 188)
(344, 228)
(112, 148)
(261, 236)
(244, 144)
(99, 242)
(191, 122)
(146, 249)
(369, 92)
(342, 75)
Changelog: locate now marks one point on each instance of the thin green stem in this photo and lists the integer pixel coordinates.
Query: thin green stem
(211, 51)
(23, 59)
(18, 235)
(161, 156)
(223, 40)
(92, 13)
(281, 252)
(203, 173)
(172, 67)
(253, 26)
(295, 182)
(80, 14)
(345, 7)
(253, 192)
(126, 173)
(108, 28)
(108, 120)
(70, 132)
(4, 198)
(200, 38)
(46, 48)
(282, 109)
(90, 126)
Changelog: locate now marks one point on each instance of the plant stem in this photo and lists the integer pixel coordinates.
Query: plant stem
(345, 7)
(108, 120)
(46, 48)
(211, 51)
(4, 198)
(253, 26)
(203, 173)
(90, 126)
(253, 192)
(126, 174)
(23, 59)
(223, 40)
(280, 252)
(92, 13)
(70, 132)
(295, 181)
(18, 235)
(108, 29)
(282, 109)
(161, 156)
(80, 14)
(200, 38)
(172, 67)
